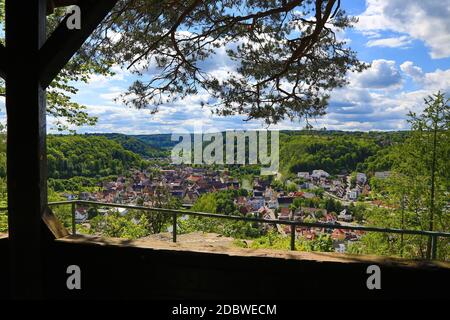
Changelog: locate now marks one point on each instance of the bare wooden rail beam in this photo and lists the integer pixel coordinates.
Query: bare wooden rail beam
(64, 43)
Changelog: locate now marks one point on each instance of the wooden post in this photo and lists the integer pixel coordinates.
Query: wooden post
(74, 222)
(26, 148)
(174, 227)
(293, 237)
(434, 244)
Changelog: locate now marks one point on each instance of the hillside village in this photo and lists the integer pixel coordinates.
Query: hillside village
(261, 199)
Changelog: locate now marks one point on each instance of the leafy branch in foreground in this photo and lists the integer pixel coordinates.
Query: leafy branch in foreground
(286, 54)
(418, 188)
(66, 113)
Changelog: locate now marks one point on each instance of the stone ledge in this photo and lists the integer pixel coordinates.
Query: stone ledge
(244, 252)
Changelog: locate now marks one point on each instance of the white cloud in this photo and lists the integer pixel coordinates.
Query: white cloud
(112, 94)
(411, 70)
(395, 42)
(430, 81)
(375, 99)
(382, 74)
(365, 105)
(424, 20)
(372, 101)
(99, 81)
(437, 80)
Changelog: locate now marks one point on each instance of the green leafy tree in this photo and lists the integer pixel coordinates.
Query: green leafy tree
(206, 203)
(115, 225)
(273, 240)
(425, 167)
(385, 243)
(156, 221)
(221, 203)
(431, 136)
(323, 243)
(63, 212)
(291, 187)
(332, 152)
(176, 38)
(88, 156)
(417, 190)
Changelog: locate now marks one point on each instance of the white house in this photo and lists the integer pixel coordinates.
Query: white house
(268, 193)
(273, 204)
(70, 196)
(306, 185)
(308, 195)
(317, 174)
(256, 203)
(361, 178)
(340, 248)
(121, 211)
(344, 215)
(81, 215)
(353, 194)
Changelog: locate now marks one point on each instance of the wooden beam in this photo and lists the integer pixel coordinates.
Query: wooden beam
(2, 61)
(26, 148)
(64, 43)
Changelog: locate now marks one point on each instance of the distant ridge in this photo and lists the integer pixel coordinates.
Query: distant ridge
(135, 144)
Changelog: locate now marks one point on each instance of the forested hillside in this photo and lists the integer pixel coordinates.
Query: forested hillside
(88, 156)
(133, 144)
(335, 151)
(158, 141)
(112, 154)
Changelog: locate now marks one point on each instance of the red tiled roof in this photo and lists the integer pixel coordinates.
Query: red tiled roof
(193, 178)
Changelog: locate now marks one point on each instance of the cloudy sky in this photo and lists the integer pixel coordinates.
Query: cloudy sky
(407, 44)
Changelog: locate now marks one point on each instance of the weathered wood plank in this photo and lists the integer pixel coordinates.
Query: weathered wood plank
(54, 225)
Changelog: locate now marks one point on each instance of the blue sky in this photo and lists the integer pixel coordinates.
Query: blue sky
(406, 42)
